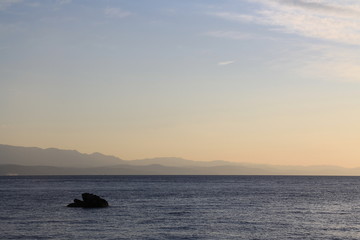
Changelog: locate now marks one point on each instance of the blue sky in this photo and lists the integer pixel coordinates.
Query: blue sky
(262, 81)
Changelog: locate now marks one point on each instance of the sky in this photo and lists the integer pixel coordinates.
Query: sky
(256, 81)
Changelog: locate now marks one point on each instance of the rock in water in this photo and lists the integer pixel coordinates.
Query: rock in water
(89, 201)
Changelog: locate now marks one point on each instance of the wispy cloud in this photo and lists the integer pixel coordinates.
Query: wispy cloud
(334, 64)
(62, 2)
(34, 4)
(324, 62)
(116, 13)
(343, 7)
(225, 63)
(230, 35)
(326, 20)
(4, 4)
(331, 21)
(234, 16)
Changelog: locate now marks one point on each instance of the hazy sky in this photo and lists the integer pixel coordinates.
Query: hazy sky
(259, 81)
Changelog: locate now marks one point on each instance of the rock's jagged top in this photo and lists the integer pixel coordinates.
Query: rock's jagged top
(89, 201)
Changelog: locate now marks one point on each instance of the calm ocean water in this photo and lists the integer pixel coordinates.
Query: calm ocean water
(182, 207)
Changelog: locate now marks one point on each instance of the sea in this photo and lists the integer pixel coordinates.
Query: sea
(181, 207)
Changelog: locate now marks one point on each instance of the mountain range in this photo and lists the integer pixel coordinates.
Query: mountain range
(15, 160)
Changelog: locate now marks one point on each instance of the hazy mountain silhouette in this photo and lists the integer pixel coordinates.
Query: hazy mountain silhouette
(178, 162)
(54, 157)
(36, 161)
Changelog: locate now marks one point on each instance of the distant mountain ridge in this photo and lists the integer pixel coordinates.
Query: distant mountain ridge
(54, 157)
(71, 158)
(51, 161)
(178, 162)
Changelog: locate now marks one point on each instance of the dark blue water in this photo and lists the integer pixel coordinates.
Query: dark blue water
(182, 207)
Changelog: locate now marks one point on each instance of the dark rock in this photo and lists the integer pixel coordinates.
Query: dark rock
(89, 201)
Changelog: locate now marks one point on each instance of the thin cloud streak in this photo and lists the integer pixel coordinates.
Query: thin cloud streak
(321, 6)
(322, 62)
(116, 13)
(4, 4)
(230, 35)
(225, 63)
(334, 64)
(62, 2)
